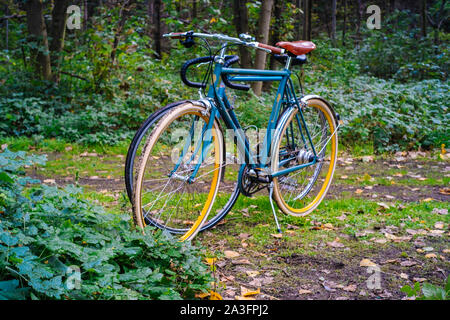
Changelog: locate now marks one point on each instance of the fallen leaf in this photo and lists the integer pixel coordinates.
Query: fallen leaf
(50, 181)
(215, 296)
(427, 200)
(359, 191)
(390, 261)
(439, 225)
(252, 273)
(367, 263)
(404, 275)
(431, 255)
(231, 254)
(335, 244)
(367, 159)
(211, 261)
(419, 279)
(303, 291)
(241, 261)
(202, 295)
(276, 235)
(445, 191)
(245, 292)
(328, 226)
(350, 288)
(440, 211)
(383, 205)
(408, 263)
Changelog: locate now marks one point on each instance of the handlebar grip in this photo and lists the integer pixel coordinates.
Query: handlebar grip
(189, 63)
(227, 82)
(176, 35)
(271, 48)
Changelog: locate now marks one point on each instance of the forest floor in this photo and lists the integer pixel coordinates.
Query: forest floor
(384, 224)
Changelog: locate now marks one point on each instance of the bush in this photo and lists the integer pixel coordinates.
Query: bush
(390, 115)
(47, 235)
(428, 291)
(402, 55)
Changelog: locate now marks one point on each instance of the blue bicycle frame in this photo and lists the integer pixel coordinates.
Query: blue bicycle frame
(285, 95)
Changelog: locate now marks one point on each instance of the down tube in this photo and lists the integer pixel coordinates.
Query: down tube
(265, 152)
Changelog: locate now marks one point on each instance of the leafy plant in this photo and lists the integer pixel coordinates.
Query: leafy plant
(48, 234)
(428, 291)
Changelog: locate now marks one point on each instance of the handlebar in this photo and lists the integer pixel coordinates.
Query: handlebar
(224, 38)
(229, 60)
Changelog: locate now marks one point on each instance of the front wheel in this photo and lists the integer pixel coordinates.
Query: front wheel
(179, 172)
(299, 192)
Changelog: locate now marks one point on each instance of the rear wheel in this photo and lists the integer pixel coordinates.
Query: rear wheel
(138, 142)
(300, 192)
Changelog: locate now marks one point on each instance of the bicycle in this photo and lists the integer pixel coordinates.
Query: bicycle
(295, 161)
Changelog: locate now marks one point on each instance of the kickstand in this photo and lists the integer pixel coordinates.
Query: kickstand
(273, 208)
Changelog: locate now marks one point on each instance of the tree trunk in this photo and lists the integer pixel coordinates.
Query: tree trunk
(333, 22)
(38, 33)
(344, 27)
(156, 4)
(85, 14)
(194, 9)
(241, 24)
(423, 18)
(307, 4)
(275, 36)
(359, 8)
(298, 4)
(7, 25)
(263, 37)
(57, 34)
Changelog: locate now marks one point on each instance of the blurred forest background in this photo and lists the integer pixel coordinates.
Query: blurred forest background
(96, 84)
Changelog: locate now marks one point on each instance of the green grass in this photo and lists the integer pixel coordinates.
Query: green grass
(66, 159)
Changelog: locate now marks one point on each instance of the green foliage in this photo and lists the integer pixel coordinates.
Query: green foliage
(47, 234)
(429, 291)
(391, 91)
(401, 54)
(387, 114)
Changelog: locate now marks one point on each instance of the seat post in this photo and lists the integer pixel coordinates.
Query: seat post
(288, 63)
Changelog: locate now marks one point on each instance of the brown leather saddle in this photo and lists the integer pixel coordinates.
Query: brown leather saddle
(297, 48)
